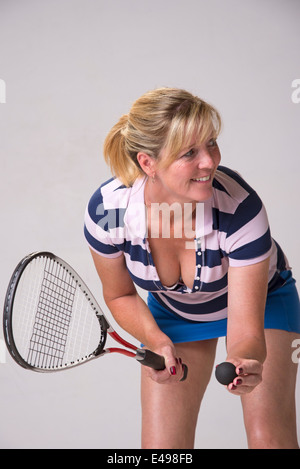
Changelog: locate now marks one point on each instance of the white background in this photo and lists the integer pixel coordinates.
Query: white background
(71, 68)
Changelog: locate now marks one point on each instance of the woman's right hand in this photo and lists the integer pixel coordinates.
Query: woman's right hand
(174, 370)
(133, 315)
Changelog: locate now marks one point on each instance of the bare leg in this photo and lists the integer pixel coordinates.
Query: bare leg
(269, 411)
(170, 412)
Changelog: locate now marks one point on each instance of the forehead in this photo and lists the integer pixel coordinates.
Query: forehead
(196, 139)
(188, 137)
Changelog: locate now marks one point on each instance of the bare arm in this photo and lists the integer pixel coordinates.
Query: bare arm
(247, 291)
(131, 312)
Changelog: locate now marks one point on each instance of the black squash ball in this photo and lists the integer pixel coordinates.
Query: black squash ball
(225, 373)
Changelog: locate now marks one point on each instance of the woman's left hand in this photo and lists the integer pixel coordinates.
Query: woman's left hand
(249, 375)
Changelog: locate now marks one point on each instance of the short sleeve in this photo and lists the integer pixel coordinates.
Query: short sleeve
(103, 227)
(248, 238)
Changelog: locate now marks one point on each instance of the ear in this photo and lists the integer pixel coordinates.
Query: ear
(147, 163)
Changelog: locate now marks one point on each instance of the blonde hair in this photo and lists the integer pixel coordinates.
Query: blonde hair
(162, 119)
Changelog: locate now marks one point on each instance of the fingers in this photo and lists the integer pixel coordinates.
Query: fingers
(249, 376)
(171, 375)
(177, 368)
(174, 372)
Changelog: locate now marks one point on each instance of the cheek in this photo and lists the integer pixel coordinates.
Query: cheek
(180, 164)
(217, 157)
(179, 169)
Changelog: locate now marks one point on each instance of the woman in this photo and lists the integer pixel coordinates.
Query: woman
(203, 251)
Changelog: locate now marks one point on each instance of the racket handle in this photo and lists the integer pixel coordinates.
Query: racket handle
(151, 359)
(155, 361)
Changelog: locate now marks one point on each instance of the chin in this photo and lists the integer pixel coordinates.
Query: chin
(202, 196)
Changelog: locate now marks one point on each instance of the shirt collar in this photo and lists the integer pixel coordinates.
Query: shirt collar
(135, 215)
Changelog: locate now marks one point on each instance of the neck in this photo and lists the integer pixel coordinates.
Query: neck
(155, 193)
(167, 214)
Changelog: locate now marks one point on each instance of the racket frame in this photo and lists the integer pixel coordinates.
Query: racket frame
(8, 314)
(144, 356)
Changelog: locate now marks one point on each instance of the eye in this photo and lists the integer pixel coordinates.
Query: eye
(189, 154)
(212, 142)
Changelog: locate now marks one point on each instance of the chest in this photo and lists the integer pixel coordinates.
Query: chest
(174, 260)
(173, 252)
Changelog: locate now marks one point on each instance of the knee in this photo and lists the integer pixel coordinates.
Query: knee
(264, 437)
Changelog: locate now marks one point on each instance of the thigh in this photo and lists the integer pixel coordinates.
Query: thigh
(269, 411)
(170, 412)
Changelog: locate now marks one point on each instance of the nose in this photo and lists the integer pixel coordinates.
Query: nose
(206, 160)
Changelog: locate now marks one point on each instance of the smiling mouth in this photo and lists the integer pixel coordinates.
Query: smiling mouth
(203, 179)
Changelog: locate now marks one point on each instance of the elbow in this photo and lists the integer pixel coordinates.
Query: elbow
(250, 347)
(264, 352)
(111, 300)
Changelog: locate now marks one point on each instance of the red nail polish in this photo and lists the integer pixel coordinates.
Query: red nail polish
(240, 370)
(173, 370)
(238, 381)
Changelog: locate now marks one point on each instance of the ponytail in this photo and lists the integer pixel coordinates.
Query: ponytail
(116, 154)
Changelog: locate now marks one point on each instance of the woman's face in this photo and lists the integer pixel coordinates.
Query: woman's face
(189, 178)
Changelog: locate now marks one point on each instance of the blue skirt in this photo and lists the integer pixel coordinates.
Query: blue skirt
(282, 312)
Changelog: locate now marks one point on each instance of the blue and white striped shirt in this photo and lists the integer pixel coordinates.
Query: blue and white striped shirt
(232, 229)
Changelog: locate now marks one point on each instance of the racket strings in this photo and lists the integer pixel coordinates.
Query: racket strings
(54, 321)
(53, 316)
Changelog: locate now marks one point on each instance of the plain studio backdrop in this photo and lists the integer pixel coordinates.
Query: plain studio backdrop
(70, 69)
